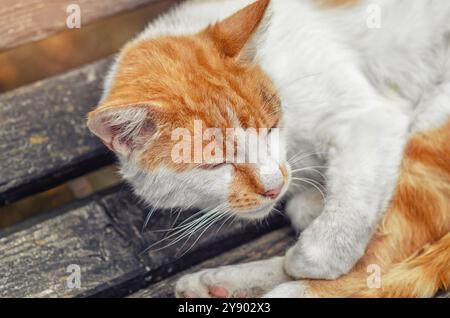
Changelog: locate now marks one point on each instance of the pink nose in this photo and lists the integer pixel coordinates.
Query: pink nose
(274, 193)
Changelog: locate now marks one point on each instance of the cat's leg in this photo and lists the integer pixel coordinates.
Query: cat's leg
(294, 289)
(304, 207)
(363, 164)
(242, 280)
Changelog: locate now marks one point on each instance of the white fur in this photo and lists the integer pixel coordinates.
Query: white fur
(350, 96)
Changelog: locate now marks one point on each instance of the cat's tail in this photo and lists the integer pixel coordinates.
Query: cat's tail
(422, 275)
(412, 244)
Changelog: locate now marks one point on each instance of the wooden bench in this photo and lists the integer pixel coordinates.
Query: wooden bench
(44, 143)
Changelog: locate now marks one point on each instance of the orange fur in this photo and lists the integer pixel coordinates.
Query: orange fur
(412, 245)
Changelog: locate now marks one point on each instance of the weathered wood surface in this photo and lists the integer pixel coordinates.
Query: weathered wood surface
(269, 245)
(31, 20)
(43, 136)
(103, 236)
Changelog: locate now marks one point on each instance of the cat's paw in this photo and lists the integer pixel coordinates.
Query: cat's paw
(296, 289)
(322, 254)
(235, 281)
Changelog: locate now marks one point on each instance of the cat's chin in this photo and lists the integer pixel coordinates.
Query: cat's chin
(257, 213)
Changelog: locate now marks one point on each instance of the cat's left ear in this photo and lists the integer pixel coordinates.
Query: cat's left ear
(238, 35)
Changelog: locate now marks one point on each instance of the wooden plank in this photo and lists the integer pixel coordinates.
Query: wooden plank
(102, 235)
(269, 245)
(44, 139)
(31, 20)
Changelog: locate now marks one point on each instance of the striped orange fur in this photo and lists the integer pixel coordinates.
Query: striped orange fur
(167, 84)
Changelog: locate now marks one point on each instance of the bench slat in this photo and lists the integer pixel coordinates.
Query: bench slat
(31, 20)
(102, 235)
(269, 245)
(43, 132)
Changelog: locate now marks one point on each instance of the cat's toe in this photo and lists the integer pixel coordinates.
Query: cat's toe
(233, 281)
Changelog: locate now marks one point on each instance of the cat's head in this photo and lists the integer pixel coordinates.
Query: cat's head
(167, 87)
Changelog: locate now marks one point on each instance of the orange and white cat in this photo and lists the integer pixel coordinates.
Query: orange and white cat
(347, 85)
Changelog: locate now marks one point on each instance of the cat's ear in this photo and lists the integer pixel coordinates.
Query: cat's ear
(238, 35)
(122, 129)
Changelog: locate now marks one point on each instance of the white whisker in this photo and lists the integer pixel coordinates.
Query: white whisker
(311, 182)
(206, 227)
(149, 215)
